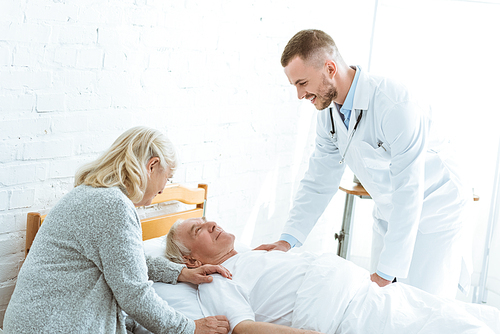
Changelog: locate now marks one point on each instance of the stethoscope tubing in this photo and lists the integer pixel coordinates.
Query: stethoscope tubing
(350, 136)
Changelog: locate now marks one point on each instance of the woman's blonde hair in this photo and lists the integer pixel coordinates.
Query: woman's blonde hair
(175, 250)
(124, 163)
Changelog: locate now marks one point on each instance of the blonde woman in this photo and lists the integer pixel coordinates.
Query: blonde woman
(87, 264)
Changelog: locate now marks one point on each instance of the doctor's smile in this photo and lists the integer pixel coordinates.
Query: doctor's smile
(311, 98)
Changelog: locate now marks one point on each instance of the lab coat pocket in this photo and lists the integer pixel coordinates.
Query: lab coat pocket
(374, 158)
(376, 162)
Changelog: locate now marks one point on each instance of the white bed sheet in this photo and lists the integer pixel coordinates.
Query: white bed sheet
(397, 308)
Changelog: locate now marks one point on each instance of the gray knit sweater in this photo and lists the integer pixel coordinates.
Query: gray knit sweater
(86, 265)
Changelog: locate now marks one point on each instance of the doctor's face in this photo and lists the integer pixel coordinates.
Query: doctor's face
(312, 83)
(208, 242)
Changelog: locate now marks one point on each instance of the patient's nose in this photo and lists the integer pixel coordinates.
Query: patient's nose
(211, 226)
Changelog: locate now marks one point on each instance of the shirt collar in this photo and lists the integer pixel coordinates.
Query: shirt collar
(350, 95)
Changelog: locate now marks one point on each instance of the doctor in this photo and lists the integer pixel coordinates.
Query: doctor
(374, 126)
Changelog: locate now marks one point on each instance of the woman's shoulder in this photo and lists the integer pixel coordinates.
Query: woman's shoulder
(107, 203)
(111, 198)
(100, 192)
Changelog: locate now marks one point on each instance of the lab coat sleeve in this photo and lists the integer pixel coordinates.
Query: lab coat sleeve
(319, 184)
(405, 128)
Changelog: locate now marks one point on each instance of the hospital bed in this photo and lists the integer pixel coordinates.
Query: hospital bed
(182, 296)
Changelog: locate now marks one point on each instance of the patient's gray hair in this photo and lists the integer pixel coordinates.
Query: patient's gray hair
(175, 250)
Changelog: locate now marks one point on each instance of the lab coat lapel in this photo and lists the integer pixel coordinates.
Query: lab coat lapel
(354, 118)
(361, 99)
(362, 95)
(361, 102)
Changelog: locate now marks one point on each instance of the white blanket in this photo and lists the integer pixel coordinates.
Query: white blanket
(338, 297)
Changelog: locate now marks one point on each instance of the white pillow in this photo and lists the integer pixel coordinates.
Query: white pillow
(155, 247)
(181, 296)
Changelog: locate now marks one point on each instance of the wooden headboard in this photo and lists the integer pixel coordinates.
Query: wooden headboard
(151, 227)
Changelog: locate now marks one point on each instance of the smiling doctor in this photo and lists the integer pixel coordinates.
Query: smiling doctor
(374, 126)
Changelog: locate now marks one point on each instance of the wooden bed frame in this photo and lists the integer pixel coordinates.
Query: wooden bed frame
(151, 227)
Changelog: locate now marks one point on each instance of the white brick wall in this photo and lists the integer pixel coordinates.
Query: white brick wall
(74, 75)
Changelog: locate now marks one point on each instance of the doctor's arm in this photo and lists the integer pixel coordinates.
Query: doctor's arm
(316, 189)
(253, 327)
(280, 245)
(406, 129)
(381, 282)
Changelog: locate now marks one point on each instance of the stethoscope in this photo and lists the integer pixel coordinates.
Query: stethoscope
(350, 136)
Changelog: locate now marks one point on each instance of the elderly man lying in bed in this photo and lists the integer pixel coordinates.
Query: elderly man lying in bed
(278, 292)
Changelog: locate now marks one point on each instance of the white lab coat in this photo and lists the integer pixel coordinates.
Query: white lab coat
(395, 153)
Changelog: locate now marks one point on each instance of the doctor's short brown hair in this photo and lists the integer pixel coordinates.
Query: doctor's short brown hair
(311, 46)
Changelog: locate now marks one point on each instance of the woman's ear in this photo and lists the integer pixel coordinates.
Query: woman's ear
(191, 262)
(154, 162)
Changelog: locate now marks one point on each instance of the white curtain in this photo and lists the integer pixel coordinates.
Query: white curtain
(448, 51)
(490, 273)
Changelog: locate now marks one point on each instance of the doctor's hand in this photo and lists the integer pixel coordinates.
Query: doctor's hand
(379, 280)
(280, 245)
(212, 325)
(201, 274)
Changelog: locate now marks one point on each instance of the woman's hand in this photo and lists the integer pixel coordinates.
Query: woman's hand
(201, 274)
(212, 325)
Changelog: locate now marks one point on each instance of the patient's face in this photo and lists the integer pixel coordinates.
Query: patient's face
(208, 242)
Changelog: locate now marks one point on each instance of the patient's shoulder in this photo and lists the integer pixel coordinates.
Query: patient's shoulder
(221, 284)
(225, 297)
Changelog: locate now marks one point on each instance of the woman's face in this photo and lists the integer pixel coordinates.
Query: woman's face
(157, 179)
